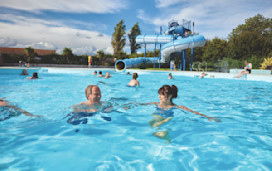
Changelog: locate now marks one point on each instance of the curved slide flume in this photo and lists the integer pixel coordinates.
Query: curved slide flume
(170, 45)
(181, 44)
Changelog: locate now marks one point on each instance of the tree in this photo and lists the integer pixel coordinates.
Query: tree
(100, 55)
(252, 39)
(135, 31)
(67, 52)
(214, 50)
(118, 40)
(29, 51)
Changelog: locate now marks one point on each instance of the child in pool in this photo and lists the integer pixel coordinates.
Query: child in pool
(107, 75)
(100, 74)
(170, 76)
(134, 80)
(24, 72)
(34, 76)
(202, 75)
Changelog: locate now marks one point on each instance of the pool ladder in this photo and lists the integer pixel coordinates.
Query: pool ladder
(199, 66)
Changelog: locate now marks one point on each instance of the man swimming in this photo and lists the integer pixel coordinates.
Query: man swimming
(89, 107)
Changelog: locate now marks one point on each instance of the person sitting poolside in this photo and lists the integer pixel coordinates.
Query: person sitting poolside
(89, 107)
(134, 81)
(94, 73)
(170, 76)
(34, 76)
(24, 72)
(248, 67)
(11, 110)
(100, 74)
(107, 75)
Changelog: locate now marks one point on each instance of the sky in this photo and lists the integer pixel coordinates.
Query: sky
(86, 26)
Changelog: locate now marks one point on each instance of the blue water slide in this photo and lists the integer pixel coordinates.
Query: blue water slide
(171, 42)
(181, 44)
(154, 39)
(123, 64)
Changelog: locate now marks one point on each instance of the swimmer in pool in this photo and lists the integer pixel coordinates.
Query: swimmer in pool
(100, 74)
(5, 105)
(94, 73)
(34, 76)
(166, 94)
(107, 75)
(170, 76)
(134, 80)
(89, 107)
(164, 114)
(93, 95)
(24, 72)
(202, 75)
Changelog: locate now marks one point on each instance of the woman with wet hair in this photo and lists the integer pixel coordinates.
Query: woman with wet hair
(34, 76)
(164, 111)
(167, 94)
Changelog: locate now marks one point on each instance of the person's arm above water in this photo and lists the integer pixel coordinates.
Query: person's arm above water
(134, 104)
(6, 103)
(189, 110)
(151, 103)
(23, 111)
(108, 109)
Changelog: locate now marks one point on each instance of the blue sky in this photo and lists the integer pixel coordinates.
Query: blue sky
(86, 26)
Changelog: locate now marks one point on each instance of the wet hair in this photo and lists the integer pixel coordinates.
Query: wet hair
(100, 72)
(95, 71)
(169, 90)
(88, 90)
(170, 74)
(134, 76)
(35, 75)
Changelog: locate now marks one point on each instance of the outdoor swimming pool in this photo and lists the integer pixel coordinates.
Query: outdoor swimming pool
(242, 141)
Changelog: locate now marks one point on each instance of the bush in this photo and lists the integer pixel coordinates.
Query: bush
(267, 63)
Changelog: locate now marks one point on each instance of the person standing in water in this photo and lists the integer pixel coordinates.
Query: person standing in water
(170, 76)
(100, 74)
(134, 82)
(107, 75)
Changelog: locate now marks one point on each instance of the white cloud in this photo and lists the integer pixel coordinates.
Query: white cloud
(80, 6)
(166, 3)
(41, 34)
(212, 17)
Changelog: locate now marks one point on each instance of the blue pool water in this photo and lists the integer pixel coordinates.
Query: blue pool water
(242, 141)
